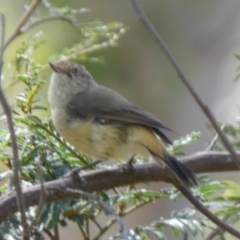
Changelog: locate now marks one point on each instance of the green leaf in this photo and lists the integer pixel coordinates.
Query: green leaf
(233, 191)
(23, 77)
(211, 188)
(180, 143)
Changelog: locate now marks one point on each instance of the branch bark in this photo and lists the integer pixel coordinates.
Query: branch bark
(16, 163)
(97, 180)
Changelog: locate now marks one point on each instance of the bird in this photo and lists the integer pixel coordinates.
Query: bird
(102, 124)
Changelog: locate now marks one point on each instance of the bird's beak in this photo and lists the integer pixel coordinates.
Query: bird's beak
(55, 68)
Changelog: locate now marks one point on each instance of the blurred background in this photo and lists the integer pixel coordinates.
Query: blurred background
(202, 35)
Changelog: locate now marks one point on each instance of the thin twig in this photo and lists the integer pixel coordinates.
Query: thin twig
(21, 22)
(198, 205)
(47, 19)
(123, 214)
(143, 17)
(217, 231)
(96, 222)
(56, 233)
(16, 162)
(87, 228)
(2, 43)
(48, 232)
(72, 56)
(123, 230)
(82, 231)
(105, 228)
(214, 141)
(43, 195)
(149, 26)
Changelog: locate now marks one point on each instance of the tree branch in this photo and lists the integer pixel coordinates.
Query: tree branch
(43, 195)
(47, 19)
(16, 162)
(117, 176)
(214, 140)
(211, 216)
(186, 192)
(149, 26)
(218, 231)
(21, 22)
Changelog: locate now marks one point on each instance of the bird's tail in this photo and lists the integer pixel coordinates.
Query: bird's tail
(156, 148)
(185, 175)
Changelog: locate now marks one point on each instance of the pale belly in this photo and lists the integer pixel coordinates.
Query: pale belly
(101, 141)
(104, 141)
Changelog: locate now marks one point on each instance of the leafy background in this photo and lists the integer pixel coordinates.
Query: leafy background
(204, 36)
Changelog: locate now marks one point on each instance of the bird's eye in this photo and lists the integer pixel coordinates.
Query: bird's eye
(75, 71)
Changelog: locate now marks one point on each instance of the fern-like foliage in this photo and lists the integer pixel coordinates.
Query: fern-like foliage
(38, 141)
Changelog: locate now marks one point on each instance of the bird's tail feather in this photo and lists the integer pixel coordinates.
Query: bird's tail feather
(186, 176)
(182, 172)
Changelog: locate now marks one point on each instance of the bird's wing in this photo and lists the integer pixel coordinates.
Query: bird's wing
(107, 106)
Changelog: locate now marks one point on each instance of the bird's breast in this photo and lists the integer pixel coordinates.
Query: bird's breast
(93, 138)
(101, 140)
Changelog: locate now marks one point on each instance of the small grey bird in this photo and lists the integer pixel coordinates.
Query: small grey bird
(102, 124)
